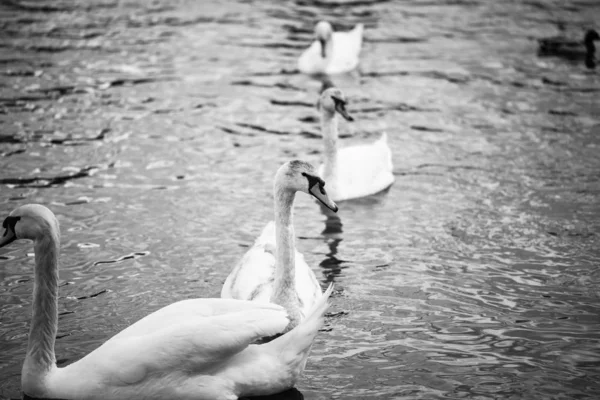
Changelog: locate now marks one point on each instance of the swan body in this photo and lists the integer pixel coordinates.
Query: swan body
(332, 52)
(272, 270)
(192, 349)
(354, 171)
(560, 46)
(257, 267)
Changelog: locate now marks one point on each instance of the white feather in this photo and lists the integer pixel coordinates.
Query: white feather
(252, 277)
(354, 171)
(193, 349)
(362, 170)
(272, 270)
(187, 350)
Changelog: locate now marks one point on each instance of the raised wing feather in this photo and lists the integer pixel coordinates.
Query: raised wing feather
(192, 309)
(197, 345)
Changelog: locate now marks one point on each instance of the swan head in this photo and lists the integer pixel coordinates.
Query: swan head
(333, 100)
(300, 176)
(323, 33)
(31, 221)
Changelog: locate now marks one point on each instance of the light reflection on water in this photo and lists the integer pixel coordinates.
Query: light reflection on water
(153, 130)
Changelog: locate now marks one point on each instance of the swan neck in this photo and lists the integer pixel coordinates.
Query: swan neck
(44, 324)
(329, 131)
(590, 48)
(590, 60)
(589, 44)
(284, 290)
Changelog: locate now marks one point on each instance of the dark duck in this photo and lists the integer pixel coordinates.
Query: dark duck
(559, 46)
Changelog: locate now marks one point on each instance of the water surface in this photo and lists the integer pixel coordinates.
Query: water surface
(153, 131)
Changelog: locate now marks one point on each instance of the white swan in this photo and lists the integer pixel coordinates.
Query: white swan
(192, 349)
(332, 52)
(272, 270)
(355, 171)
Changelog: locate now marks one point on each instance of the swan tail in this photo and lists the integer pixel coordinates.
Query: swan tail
(384, 137)
(358, 29)
(386, 152)
(294, 346)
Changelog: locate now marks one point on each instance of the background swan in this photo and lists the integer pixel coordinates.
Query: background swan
(332, 52)
(560, 46)
(355, 171)
(192, 349)
(273, 270)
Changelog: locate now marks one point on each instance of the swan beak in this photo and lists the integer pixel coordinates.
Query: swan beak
(8, 237)
(322, 41)
(340, 107)
(318, 191)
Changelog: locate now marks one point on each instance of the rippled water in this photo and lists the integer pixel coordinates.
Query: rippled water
(153, 131)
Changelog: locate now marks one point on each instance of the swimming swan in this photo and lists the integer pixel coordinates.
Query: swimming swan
(332, 52)
(560, 46)
(355, 171)
(273, 270)
(192, 349)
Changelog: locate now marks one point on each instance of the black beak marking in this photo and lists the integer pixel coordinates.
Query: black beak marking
(9, 224)
(340, 106)
(337, 100)
(323, 54)
(315, 180)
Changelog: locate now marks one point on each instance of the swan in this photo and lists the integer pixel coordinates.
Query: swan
(272, 270)
(192, 349)
(332, 52)
(356, 171)
(560, 46)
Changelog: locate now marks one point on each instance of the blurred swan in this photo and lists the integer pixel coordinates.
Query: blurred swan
(355, 171)
(192, 349)
(560, 46)
(332, 52)
(273, 270)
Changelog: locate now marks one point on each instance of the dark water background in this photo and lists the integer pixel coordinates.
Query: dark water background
(153, 130)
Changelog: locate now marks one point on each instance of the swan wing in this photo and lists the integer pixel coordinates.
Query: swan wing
(351, 41)
(251, 276)
(346, 50)
(364, 169)
(307, 285)
(192, 309)
(200, 345)
(310, 61)
(255, 279)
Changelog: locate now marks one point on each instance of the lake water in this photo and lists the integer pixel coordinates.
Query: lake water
(153, 130)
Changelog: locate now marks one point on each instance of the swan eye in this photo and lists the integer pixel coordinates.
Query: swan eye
(9, 224)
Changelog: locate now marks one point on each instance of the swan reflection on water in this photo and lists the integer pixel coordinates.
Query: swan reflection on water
(333, 223)
(331, 265)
